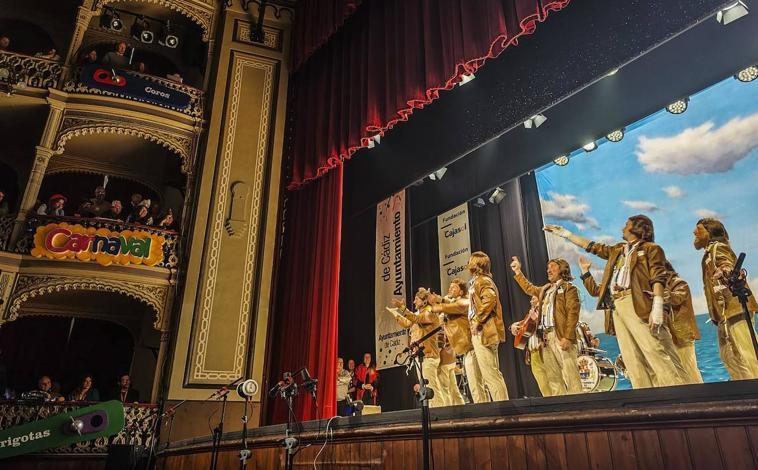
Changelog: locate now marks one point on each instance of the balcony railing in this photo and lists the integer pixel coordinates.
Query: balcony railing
(138, 429)
(6, 227)
(33, 71)
(194, 109)
(25, 243)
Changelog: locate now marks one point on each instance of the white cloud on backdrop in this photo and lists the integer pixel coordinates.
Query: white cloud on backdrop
(703, 213)
(567, 208)
(700, 150)
(645, 206)
(674, 192)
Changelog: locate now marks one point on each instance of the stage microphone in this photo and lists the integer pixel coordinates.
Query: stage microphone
(247, 389)
(309, 383)
(275, 389)
(355, 405)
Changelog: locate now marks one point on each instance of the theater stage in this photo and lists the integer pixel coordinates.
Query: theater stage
(707, 426)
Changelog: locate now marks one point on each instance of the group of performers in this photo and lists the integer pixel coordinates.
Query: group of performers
(647, 306)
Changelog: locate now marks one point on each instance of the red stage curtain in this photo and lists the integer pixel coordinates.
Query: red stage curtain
(305, 317)
(392, 57)
(315, 22)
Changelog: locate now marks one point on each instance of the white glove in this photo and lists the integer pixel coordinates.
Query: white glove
(656, 314)
(558, 231)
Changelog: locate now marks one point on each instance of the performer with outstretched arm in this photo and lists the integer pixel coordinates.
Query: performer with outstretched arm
(421, 322)
(634, 268)
(735, 344)
(487, 329)
(455, 308)
(559, 304)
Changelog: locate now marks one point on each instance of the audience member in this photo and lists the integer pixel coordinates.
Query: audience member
(90, 58)
(54, 206)
(367, 381)
(167, 222)
(155, 211)
(4, 209)
(96, 206)
(124, 392)
(134, 201)
(141, 214)
(45, 385)
(351, 369)
(117, 58)
(116, 211)
(85, 391)
(5, 43)
(343, 383)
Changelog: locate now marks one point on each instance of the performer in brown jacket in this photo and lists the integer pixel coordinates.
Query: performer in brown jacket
(422, 322)
(633, 282)
(735, 345)
(681, 322)
(559, 303)
(455, 307)
(487, 328)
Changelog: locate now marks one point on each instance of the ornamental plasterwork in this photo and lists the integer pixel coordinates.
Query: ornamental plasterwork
(199, 370)
(29, 286)
(271, 36)
(200, 15)
(82, 125)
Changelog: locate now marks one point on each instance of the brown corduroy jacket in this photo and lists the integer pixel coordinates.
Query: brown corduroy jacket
(457, 327)
(488, 317)
(647, 267)
(721, 303)
(681, 320)
(420, 324)
(566, 307)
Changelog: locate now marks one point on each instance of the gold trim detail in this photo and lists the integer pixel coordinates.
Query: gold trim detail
(272, 37)
(199, 372)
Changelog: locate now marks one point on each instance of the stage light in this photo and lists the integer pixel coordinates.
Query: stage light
(535, 121)
(615, 136)
(497, 196)
(479, 202)
(374, 141)
(678, 106)
(589, 146)
(141, 30)
(437, 175)
(748, 74)
(167, 38)
(110, 19)
(612, 73)
(563, 160)
(465, 78)
(731, 13)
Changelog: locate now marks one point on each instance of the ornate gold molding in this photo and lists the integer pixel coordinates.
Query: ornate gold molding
(29, 286)
(272, 37)
(77, 124)
(203, 16)
(219, 215)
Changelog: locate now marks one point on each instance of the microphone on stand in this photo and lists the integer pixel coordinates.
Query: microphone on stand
(247, 389)
(309, 383)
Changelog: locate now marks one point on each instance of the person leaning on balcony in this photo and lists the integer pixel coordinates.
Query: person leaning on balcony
(5, 43)
(4, 209)
(45, 385)
(117, 58)
(54, 206)
(95, 206)
(116, 212)
(90, 58)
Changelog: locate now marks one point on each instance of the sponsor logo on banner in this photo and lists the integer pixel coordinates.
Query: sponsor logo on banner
(389, 278)
(129, 84)
(455, 244)
(64, 241)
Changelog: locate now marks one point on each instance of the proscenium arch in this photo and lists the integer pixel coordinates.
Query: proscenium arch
(200, 16)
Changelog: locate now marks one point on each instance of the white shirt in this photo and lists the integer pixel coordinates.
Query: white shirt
(621, 276)
(548, 305)
(471, 310)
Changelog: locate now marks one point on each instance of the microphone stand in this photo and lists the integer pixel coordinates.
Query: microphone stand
(218, 431)
(245, 452)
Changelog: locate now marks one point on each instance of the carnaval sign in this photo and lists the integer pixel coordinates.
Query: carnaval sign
(64, 241)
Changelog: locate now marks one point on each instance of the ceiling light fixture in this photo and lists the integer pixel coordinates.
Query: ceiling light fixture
(535, 121)
(563, 160)
(465, 78)
(678, 106)
(589, 146)
(747, 74)
(616, 136)
(732, 13)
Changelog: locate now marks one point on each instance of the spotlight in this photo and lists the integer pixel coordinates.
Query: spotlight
(110, 19)
(747, 75)
(116, 23)
(731, 13)
(615, 136)
(141, 30)
(167, 38)
(678, 106)
(437, 175)
(465, 78)
(590, 146)
(535, 121)
(374, 141)
(563, 160)
(612, 73)
(479, 202)
(497, 196)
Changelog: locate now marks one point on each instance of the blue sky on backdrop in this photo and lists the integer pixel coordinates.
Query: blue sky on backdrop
(673, 168)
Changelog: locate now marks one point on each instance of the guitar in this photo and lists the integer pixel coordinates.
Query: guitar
(526, 328)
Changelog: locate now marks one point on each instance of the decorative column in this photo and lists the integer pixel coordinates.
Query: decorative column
(42, 155)
(83, 18)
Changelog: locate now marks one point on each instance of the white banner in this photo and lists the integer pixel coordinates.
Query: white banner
(455, 244)
(389, 278)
